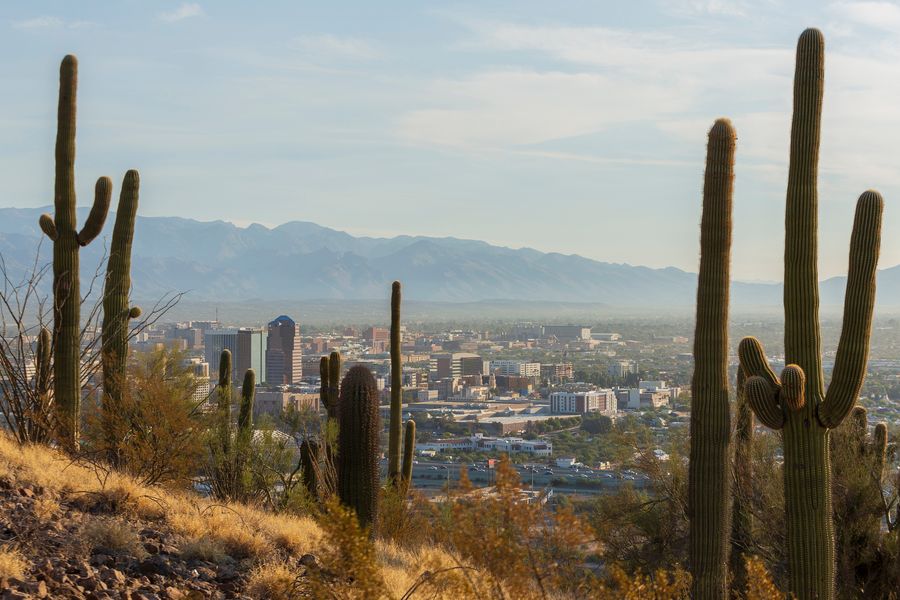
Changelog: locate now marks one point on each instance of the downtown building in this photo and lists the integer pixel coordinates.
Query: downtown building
(284, 355)
(248, 351)
(579, 403)
(516, 368)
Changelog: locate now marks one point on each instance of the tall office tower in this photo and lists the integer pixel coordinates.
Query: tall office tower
(248, 350)
(284, 356)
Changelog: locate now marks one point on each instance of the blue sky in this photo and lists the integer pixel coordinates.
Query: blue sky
(576, 127)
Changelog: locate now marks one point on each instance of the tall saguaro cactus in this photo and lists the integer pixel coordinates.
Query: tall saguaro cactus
(116, 311)
(396, 424)
(709, 483)
(358, 438)
(797, 402)
(67, 240)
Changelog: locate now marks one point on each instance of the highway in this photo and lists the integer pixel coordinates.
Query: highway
(436, 474)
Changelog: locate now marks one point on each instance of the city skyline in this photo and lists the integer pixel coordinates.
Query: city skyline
(529, 119)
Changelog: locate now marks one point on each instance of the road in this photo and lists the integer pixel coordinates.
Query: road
(436, 474)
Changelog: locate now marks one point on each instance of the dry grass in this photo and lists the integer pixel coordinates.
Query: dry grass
(209, 528)
(12, 564)
(272, 581)
(203, 549)
(112, 535)
(45, 509)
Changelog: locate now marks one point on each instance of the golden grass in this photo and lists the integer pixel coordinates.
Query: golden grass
(208, 527)
(112, 534)
(203, 549)
(12, 564)
(272, 581)
(45, 509)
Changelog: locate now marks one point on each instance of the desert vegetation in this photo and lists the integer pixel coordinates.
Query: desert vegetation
(117, 479)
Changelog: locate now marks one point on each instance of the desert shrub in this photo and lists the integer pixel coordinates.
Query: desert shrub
(523, 549)
(156, 430)
(273, 581)
(350, 566)
(112, 535)
(203, 548)
(12, 563)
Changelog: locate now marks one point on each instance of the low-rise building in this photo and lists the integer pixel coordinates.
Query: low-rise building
(479, 443)
(579, 403)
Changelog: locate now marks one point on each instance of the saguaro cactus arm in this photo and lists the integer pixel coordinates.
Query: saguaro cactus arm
(802, 340)
(48, 226)
(97, 217)
(859, 304)
(761, 388)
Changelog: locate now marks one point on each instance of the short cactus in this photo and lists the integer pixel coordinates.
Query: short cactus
(309, 465)
(358, 440)
(323, 382)
(224, 394)
(709, 478)
(248, 394)
(797, 402)
(334, 383)
(409, 448)
(116, 310)
(61, 229)
(396, 424)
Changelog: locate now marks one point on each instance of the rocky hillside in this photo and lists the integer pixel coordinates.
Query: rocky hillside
(75, 531)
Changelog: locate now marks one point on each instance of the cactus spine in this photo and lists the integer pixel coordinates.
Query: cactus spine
(709, 488)
(358, 439)
(797, 402)
(409, 447)
(61, 229)
(396, 423)
(116, 312)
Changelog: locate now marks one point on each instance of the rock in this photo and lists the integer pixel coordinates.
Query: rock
(37, 589)
(151, 547)
(156, 564)
(310, 561)
(100, 560)
(173, 594)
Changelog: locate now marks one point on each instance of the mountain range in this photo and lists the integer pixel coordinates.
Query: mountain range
(304, 261)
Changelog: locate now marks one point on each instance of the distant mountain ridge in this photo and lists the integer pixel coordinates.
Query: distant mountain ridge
(300, 260)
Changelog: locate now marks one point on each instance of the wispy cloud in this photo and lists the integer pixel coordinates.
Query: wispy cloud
(736, 8)
(327, 45)
(48, 22)
(185, 11)
(596, 78)
(877, 15)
